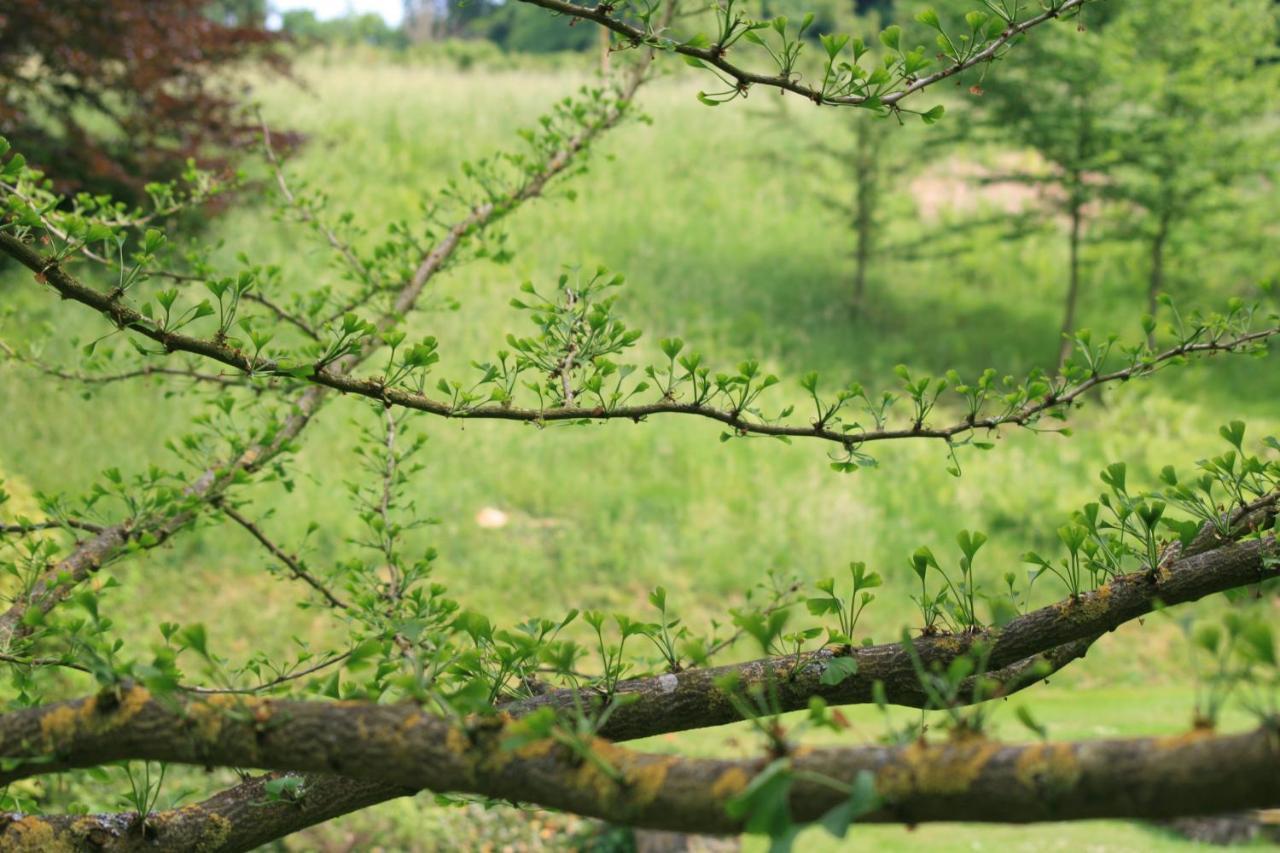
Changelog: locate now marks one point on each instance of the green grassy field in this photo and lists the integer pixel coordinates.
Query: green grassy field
(735, 253)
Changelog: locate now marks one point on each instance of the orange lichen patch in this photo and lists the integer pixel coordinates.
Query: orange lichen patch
(495, 733)
(131, 704)
(535, 749)
(85, 825)
(1089, 606)
(456, 741)
(92, 715)
(58, 726)
(645, 779)
(32, 833)
(953, 645)
(1049, 768)
(935, 769)
(409, 722)
(395, 737)
(490, 722)
(212, 828)
(217, 830)
(1185, 739)
(364, 735)
(603, 773)
(210, 712)
(229, 702)
(730, 783)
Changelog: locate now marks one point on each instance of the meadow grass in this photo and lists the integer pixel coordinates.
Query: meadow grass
(728, 247)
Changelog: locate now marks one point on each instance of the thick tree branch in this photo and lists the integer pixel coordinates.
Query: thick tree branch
(971, 778)
(241, 818)
(691, 700)
(1060, 633)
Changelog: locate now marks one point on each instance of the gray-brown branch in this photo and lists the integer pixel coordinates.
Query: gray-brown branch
(691, 700)
(972, 779)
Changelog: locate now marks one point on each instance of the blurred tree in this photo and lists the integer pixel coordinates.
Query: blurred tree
(1056, 105)
(424, 19)
(869, 167)
(110, 95)
(1144, 109)
(303, 26)
(883, 8)
(1188, 149)
(241, 13)
(465, 15)
(861, 163)
(519, 27)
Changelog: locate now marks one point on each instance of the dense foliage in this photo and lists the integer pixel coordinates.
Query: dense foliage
(113, 95)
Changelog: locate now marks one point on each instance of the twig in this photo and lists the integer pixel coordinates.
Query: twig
(291, 562)
(715, 55)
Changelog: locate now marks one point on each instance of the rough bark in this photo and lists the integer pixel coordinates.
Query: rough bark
(350, 738)
(240, 818)
(970, 779)
(1060, 633)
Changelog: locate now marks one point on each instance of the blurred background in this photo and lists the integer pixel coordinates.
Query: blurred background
(1105, 161)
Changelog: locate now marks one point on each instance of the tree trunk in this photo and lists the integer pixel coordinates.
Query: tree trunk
(1073, 283)
(1155, 284)
(862, 258)
(604, 50)
(866, 181)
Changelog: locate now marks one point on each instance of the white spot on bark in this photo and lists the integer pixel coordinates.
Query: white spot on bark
(667, 683)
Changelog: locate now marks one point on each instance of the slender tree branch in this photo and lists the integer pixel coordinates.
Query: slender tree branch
(283, 678)
(58, 524)
(287, 316)
(715, 56)
(58, 663)
(291, 562)
(107, 378)
(343, 248)
(261, 687)
(339, 377)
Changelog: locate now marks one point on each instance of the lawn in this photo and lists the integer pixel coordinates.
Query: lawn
(716, 216)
